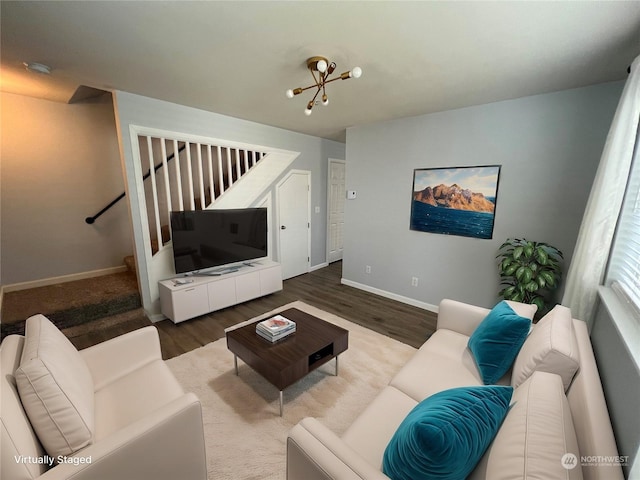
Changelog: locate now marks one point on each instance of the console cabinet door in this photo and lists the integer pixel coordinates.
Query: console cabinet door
(190, 302)
(270, 280)
(222, 294)
(247, 286)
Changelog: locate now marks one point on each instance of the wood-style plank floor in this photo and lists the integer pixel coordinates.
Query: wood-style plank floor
(321, 288)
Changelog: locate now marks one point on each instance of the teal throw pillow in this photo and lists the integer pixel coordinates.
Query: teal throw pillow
(497, 340)
(445, 435)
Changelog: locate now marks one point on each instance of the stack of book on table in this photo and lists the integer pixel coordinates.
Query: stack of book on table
(275, 328)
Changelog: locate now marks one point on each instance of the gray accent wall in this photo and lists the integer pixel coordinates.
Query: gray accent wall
(548, 146)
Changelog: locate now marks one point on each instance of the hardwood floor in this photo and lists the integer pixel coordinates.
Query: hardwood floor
(321, 288)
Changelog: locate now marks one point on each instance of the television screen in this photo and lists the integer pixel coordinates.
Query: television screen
(209, 238)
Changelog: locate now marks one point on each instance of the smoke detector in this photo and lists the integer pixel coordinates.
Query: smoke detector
(37, 67)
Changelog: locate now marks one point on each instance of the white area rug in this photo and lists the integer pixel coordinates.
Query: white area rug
(245, 436)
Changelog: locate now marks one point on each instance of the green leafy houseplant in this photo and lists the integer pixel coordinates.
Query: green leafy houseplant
(529, 271)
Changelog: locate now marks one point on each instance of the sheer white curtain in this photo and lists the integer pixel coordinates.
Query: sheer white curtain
(590, 256)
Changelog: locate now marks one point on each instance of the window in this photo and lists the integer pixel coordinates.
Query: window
(623, 274)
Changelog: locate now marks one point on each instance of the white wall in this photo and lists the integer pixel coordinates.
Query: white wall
(60, 164)
(549, 147)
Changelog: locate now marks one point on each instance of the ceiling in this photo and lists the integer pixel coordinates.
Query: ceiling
(238, 57)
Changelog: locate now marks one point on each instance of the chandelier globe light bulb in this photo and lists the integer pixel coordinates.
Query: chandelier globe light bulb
(325, 100)
(321, 66)
(356, 72)
(289, 93)
(307, 111)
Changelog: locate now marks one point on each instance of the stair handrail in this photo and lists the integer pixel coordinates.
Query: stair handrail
(157, 167)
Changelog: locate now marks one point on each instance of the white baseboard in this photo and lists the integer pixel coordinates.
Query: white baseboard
(43, 282)
(155, 317)
(318, 267)
(393, 296)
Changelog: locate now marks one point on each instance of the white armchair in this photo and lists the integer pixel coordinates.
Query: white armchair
(135, 422)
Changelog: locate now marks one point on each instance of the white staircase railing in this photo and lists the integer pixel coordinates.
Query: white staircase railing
(201, 174)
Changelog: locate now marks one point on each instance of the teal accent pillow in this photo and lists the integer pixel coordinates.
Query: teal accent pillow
(497, 340)
(445, 435)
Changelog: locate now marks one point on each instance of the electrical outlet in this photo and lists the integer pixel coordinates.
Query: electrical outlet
(414, 281)
(367, 269)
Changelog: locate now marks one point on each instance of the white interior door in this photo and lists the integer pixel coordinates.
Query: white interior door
(294, 223)
(336, 198)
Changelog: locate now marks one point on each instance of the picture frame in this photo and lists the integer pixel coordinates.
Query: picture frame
(457, 201)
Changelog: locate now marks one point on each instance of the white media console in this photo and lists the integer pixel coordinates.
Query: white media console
(182, 298)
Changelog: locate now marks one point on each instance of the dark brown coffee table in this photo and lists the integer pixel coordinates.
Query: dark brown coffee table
(314, 343)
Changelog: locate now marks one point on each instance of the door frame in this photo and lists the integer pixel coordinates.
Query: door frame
(267, 202)
(278, 198)
(328, 233)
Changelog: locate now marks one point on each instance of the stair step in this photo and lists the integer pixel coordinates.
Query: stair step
(71, 303)
(130, 262)
(165, 231)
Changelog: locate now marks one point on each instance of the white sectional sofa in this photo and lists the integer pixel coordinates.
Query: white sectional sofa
(557, 427)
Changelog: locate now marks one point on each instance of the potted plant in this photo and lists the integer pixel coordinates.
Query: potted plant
(529, 272)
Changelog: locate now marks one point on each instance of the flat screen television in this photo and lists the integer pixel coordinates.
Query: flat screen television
(203, 239)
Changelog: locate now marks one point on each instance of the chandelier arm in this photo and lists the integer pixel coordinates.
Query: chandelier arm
(301, 89)
(344, 76)
(316, 80)
(313, 100)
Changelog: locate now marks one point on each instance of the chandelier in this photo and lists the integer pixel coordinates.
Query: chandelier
(320, 69)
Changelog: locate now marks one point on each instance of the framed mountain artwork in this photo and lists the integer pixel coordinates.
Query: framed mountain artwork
(455, 201)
